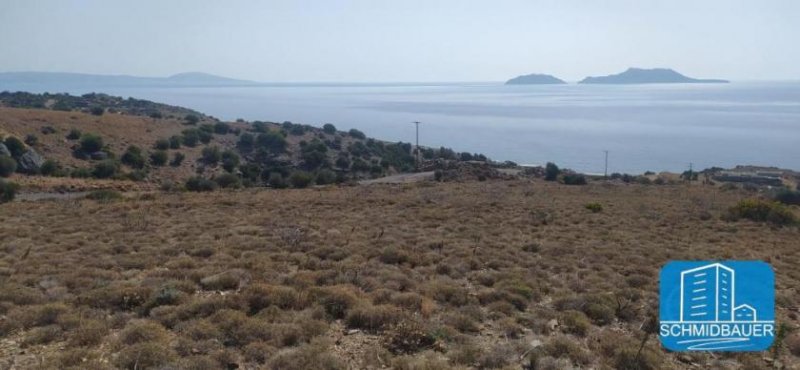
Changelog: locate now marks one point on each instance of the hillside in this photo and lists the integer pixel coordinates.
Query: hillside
(98, 136)
(475, 275)
(646, 76)
(190, 79)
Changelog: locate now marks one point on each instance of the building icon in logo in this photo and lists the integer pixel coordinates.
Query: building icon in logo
(717, 306)
(708, 293)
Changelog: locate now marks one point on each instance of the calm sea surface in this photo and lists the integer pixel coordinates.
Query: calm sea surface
(644, 127)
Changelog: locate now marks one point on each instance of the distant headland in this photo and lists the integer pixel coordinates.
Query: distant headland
(646, 76)
(535, 79)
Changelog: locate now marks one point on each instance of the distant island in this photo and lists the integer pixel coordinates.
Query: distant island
(535, 79)
(646, 76)
(190, 79)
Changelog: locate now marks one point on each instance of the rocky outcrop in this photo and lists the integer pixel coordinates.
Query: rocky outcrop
(4, 150)
(30, 161)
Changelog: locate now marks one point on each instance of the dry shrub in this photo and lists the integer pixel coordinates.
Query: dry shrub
(336, 300)
(42, 335)
(409, 335)
(116, 297)
(427, 361)
(461, 322)
(630, 359)
(310, 356)
(261, 296)
(497, 357)
(77, 359)
(145, 355)
(259, 352)
(201, 329)
(88, 333)
(143, 331)
(33, 316)
(372, 318)
(448, 293)
(465, 354)
(201, 362)
(564, 347)
(575, 322)
(793, 344)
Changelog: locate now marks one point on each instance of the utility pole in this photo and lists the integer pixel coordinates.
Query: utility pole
(605, 171)
(416, 153)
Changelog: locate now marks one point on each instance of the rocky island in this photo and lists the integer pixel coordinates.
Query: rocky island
(535, 79)
(646, 76)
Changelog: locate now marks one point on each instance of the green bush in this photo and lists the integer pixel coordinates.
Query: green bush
(762, 211)
(81, 173)
(161, 144)
(325, 177)
(97, 111)
(91, 143)
(357, 134)
(228, 180)
(105, 169)
(74, 134)
(300, 179)
(104, 195)
(787, 196)
(574, 180)
(594, 207)
(174, 142)
(551, 171)
(210, 155)
(133, 157)
(198, 183)
(190, 137)
(15, 146)
(8, 190)
(276, 180)
(7, 166)
(51, 168)
(329, 128)
(191, 119)
(230, 160)
(31, 140)
(177, 159)
(158, 158)
(221, 128)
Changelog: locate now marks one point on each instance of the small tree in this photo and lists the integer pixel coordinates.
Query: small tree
(7, 166)
(7, 191)
(177, 159)
(300, 179)
(276, 180)
(191, 138)
(200, 184)
(97, 111)
(74, 134)
(211, 155)
(161, 144)
(329, 128)
(105, 169)
(158, 158)
(133, 157)
(229, 160)
(357, 134)
(174, 142)
(51, 168)
(551, 171)
(31, 140)
(91, 143)
(191, 119)
(221, 128)
(228, 180)
(15, 146)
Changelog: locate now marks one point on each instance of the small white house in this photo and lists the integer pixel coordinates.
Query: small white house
(744, 313)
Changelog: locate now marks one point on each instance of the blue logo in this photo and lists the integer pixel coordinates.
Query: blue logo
(717, 306)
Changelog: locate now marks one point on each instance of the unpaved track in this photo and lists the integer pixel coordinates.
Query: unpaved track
(402, 178)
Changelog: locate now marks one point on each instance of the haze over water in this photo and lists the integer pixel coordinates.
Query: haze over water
(644, 127)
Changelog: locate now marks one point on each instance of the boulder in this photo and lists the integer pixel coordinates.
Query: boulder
(4, 150)
(30, 161)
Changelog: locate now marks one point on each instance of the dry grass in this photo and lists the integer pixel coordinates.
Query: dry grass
(423, 276)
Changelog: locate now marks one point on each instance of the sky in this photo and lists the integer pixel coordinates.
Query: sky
(402, 41)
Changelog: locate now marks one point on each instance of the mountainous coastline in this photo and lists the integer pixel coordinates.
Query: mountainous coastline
(646, 76)
(190, 79)
(535, 79)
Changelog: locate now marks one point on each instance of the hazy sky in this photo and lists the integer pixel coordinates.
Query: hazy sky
(402, 40)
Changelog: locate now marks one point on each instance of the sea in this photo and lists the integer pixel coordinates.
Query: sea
(654, 127)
